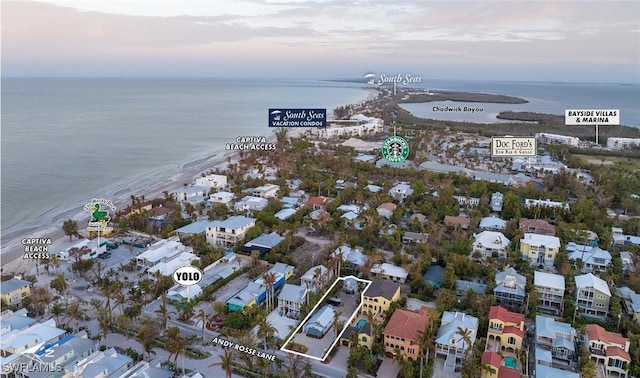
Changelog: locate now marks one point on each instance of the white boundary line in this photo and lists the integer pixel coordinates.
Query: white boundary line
(321, 301)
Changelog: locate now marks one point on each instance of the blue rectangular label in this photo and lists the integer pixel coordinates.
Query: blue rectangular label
(297, 117)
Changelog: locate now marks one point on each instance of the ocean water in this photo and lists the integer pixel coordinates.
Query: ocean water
(543, 97)
(66, 141)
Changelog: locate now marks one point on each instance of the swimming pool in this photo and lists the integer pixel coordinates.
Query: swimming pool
(361, 323)
(511, 362)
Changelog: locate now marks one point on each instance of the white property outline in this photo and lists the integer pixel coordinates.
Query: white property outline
(321, 301)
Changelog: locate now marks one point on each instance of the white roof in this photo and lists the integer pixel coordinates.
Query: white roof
(543, 371)
(162, 249)
(293, 293)
(308, 275)
(167, 268)
(550, 328)
(493, 222)
(390, 270)
(451, 321)
(284, 214)
(538, 240)
(186, 292)
(349, 215)
(588, 257)
(351, 208)
(554, 281)
(492, 239)
(589, 280)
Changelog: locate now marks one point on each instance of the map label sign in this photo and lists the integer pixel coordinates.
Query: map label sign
(591, 117)
(187, 275)
(297, 117)
(513, 146)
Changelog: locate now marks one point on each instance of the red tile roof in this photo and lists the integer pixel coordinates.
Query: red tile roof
(319, 201)
(614, 351)
(407, 324)
(501, 313)
(388, 206)
(513, 330)
(492, 358)
(506, 372)
(596, 332)
(457, 220)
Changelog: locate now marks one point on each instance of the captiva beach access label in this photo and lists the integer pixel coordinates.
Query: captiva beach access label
(297, 117)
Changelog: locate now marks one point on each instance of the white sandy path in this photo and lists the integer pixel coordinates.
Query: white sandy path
(11, 253)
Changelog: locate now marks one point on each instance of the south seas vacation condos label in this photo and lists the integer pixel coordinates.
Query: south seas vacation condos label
(297, 117)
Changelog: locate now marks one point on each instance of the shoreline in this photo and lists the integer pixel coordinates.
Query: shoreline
(12, 250)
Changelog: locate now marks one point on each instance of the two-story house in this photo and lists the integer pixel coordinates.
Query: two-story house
(401, 191)
(403, 332)
(506, 330)
(455, 338)
(378, 297)
(551, 289)
(537, 226)
(593, 259)
(266, 191)
(539, 249)
(557, 337)
(316, 278)
(13, 291)
(592, 296)
(291, 299)
(491, 244)
(510, 288)
(390, 272)
(609, 350)
(229, 231)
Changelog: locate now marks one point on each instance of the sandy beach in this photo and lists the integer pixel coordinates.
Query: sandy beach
(12, 250)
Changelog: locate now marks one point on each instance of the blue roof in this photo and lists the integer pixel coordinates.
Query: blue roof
(266, 240)
(195, 227)
(9, 286)
(236, 222)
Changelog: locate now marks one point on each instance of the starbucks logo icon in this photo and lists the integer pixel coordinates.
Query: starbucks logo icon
(395, 149)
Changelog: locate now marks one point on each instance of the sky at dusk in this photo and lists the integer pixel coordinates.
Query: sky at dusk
(589, 41)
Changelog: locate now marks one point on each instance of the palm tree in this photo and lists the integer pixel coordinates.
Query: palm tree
(176, 345)
(202, 318)
(226, 362)
(70, 228)
(269, 279)
(59, 284)
(57, 310)
(146, 336)
(465, 336)
(336, 316)
(265, 330)
(164, 313)
(75, 313)
(102, 316)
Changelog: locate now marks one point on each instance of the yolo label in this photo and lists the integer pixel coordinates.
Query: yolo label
(187, 275)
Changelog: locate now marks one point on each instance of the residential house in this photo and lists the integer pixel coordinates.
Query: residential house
(628, 265)
(497, 201)
(491, 244)
(263, 243)
(403, 332)
(281, 268)
(170, 264)
(401, 191)
(290, 202)
(593, 259)
(266, 191)
(506, 330)
(353, 258)
(378, 297)
(216, 182)
(373, 188)
(108, 363)
(608, 350)
(363, 332)
(492, 224)
(457, 222)
(22, 340)
(510, 288)
(434, 275)
(341, 185)
(144, 369)
(224, 198)
(557, 337)
(619, 239)
(229, 231)
(418, 218)
(539, 249)
(316, 278)
(253, 293)
(462, 287)
(544, 371)
(190, 193)
(415, 237)
(318, 203)
(162, 251)
(450, 343)
(195, 228)
(13, 291)
(285, 213)
(63, 353)
(320, 322)
(291, 299)
(537, 226)
(386, 209)
(251, 203)
(631, 302)
(551, 289)
(390, 272)
(495, 367)
(592, 296)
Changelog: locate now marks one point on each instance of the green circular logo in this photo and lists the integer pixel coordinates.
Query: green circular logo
(395, 149)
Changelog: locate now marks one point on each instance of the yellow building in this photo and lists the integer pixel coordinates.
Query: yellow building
(539, 249)
(506, 330)
(403, 332)
(378, 297)
(13, 291)
(362, 328)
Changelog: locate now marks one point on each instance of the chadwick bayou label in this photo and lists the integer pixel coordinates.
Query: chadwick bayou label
(297, 117)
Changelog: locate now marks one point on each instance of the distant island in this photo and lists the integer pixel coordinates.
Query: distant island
(428, 96)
